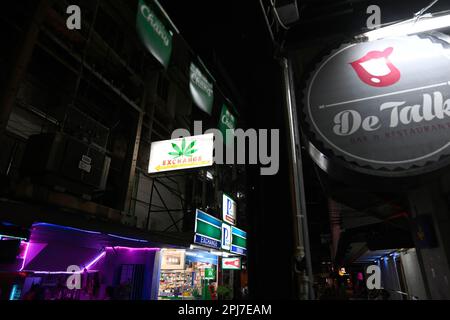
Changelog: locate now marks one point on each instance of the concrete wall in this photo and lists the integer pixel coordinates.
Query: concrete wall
(434, 261)
(413, 274)
(390, 278)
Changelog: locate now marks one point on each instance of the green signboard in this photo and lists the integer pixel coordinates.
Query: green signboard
(210, 273)
(208, 230)
(155, 35)
(238, 241)
(202, 91)
(227, 124)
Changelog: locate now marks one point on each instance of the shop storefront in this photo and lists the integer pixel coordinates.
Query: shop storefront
(64, 263)
(188, 275)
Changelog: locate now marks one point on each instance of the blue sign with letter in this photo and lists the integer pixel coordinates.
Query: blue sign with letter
(226, 236)
(208, 242)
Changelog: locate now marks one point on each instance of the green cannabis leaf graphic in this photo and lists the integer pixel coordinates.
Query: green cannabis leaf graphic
(183, 150)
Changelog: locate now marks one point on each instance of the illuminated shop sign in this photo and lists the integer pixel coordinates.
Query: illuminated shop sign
(383, 105)
(226, 237)
(231, 263)
(172, 259)
(202, 91)
(227, 124)
(238, 241)
(183, 153)
(152, 30)
(229, 210)
(210, 273)
(208, 230)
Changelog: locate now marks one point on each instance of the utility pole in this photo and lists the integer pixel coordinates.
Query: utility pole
(303, 276)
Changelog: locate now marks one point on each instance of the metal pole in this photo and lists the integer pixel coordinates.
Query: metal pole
(150, 205)
(304, 278)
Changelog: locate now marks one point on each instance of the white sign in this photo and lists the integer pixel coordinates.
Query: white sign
(229, 210)
(226, 237)
(183, 153)
(173, 259)
(231, 264)
(84, 166)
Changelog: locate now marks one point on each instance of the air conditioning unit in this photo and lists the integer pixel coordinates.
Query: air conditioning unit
(63, 162)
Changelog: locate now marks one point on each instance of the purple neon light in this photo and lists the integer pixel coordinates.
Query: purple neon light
(54, 272)
(87, 267)
(25, 256)
(93, 262)
(132, 249)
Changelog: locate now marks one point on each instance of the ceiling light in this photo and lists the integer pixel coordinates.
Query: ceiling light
(412, 26)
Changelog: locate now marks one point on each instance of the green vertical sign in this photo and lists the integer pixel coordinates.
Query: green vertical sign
(202, 91)
(210, 273)
(152, 31)
(227, 122)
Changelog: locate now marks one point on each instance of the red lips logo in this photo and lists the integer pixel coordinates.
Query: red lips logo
(376, 70)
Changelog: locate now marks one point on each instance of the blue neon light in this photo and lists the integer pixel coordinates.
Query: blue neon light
(126, 238)
(44, 224)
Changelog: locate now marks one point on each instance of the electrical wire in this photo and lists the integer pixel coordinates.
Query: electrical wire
(421, 12)
(273, 2)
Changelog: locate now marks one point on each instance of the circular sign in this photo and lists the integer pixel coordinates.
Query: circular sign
(383, 104)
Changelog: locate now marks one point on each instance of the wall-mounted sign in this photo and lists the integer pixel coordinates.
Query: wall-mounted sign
(85, 164)
(383, 105)
(226, 237)
(202, 91)
(153, 31)
(231, 263)
(238, 241)
(208, 230)
(184, 153)
(227, 124)
(172, 259)
(229, 210)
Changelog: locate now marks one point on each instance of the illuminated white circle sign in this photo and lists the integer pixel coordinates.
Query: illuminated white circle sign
(383, 104)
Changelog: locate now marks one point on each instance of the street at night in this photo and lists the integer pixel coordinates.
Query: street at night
(216, 159)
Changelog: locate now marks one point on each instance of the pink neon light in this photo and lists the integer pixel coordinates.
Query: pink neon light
(101, 255)
(25, 256)
(133, 249)
(54, 272)
(88, 266)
